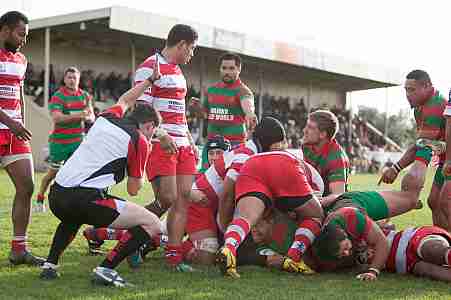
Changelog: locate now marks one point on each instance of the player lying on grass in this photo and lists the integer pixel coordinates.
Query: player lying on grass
(424, 251)
(351, 221)
(115, 146)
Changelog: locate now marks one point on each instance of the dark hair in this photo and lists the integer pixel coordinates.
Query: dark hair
(326, 120)
(231, 56)
(419, 75)
(71, 70)
(327, 244)
(143, 113)
(218, 142)
(12, 18)
(269, 131)
(181, 32)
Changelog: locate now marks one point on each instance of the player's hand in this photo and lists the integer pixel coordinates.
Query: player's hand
(388, 176)
(19, 131)
(446, 170)
(195, 101)
(291, 266)
(368, 276)
(251, 121)
(168, 144)
(199, 197)
(156, 74)
(196, 153)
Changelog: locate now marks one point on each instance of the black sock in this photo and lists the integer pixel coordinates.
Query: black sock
(64, 235)
(130, 242)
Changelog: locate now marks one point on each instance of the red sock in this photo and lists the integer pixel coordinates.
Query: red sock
(187, 246)
(308, 230)
(174, 254)
(103, 234)
(40, 198)
(236, 233)
(19, 244)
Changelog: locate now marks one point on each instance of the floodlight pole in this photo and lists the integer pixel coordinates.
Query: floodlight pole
(386, 114)
(47, 66)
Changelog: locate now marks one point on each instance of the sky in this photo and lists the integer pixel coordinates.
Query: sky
(403, 35)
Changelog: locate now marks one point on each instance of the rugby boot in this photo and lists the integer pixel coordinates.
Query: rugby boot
(25, 258)
(226, 261)
(291, 266)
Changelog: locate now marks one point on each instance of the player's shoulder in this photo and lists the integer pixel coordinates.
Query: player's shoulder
(244, 89)
(149, 62)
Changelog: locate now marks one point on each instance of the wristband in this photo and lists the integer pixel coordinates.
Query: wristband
(375, 271)
(397, 167)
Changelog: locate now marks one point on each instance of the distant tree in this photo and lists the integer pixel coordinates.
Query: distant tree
(401, 127)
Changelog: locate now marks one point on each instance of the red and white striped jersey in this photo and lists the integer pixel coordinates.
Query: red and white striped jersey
(12, 74)
(405, 246)
(211, 183)
(167, 95)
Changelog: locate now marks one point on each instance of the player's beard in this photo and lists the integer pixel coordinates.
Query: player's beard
(11, 47)
(228, 79)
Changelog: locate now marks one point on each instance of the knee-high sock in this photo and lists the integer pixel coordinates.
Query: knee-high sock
(130, 242)
(236, 233)
(308, 230)
(64, 235)
(103, 234)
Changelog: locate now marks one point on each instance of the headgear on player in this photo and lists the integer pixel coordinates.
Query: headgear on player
(267, 132)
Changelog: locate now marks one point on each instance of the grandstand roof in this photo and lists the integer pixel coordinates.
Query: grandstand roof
(111, 26)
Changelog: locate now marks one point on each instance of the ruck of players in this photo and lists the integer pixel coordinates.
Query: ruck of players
(244, 199)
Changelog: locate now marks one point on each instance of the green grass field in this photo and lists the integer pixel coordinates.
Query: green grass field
(155, 281)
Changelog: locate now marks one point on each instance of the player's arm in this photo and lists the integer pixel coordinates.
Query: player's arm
(128, 99)
(378, 241)
(248, 106)
(17, 128)
(390, 174)
(226, 205)
(136, 164)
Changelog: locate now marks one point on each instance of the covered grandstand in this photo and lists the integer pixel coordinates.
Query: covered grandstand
(118, 39)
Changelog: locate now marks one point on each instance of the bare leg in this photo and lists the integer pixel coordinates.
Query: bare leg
(432, 271)
(399, 202)
(47, 180)
(177, 214)
(201, 256)
(21, 174)
(445, 205)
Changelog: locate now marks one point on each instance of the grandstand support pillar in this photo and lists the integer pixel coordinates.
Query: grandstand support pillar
(47, 67)
(133, 57)
(260, 93)
(309, 96)
(201, 93)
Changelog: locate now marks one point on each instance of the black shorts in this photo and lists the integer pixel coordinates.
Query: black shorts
(80, 205)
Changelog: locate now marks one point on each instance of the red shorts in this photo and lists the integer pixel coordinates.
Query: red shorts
(11, 145)
(161, 163)
(201, 218)
(276, 176)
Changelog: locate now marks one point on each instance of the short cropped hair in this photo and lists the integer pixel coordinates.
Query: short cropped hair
(71, 70)
(231, 56)
(143, 113)
(327, 121)
(181, 32)
(12, 18)
(419, 75)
